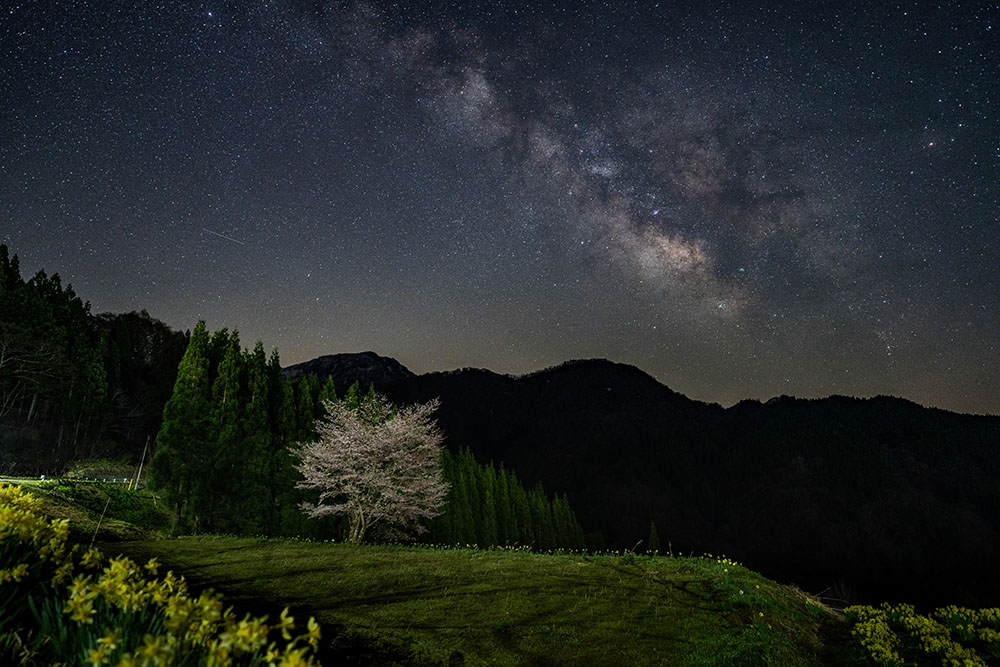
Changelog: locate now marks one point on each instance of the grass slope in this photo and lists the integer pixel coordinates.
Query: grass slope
(455, 606)
(424, 606)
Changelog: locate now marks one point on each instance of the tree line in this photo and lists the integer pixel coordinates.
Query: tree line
(75, 385)
(227, 452)
(488, 506)
(222, 420)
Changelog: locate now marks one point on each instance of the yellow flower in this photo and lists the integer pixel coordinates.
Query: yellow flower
(80, 610)
(218, 654)
(314, 633)
(286, 623)
(151, 648)
(295, 657)
(272, 653)
(128, 660)
(152, 565)
(60, 528)
(169, 580)
(62, 572)
(98, 656)
(110, 640)
(158, 595)
(92, 558)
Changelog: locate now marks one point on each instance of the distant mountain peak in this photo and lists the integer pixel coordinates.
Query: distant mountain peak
(347, 368)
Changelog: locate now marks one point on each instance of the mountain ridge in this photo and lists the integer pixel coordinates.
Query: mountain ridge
(875, 498)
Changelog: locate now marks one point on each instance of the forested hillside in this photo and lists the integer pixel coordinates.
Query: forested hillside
(74, 385)
(222, 422)
(868, 499)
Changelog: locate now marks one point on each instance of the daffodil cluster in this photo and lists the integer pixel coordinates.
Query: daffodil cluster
(118, 613)
(871, 628)
(27, 536)
(951, 636)
(973, 626)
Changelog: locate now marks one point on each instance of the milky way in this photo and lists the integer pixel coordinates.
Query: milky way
(789, 198)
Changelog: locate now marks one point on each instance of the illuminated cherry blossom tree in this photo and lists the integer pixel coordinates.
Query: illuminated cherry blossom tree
(376, 463)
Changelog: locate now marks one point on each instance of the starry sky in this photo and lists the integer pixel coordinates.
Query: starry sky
(743, 199)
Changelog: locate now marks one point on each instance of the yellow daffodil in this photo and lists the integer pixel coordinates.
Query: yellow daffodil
(98, 656)
(314, 633)
(295, 657)
(91, 558)
(286, 623)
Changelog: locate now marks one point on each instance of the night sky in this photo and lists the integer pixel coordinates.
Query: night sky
(744, 201)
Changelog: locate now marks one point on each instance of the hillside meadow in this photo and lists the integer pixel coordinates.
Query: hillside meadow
(499, 607)
(434, 605)
(393, 604)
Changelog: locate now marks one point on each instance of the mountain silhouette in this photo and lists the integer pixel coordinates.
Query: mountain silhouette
(345, 369)
(862, 499)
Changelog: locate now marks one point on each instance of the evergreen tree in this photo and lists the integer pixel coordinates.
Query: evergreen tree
(329, 391)
(653, 544)
(541, 518)
(488, 507)
(215, 490)
(489, 535)
(187, 433)
(306, 411)
(256, 490)
(465, 524)
(524, 532)
(471, 475)
(506, 530)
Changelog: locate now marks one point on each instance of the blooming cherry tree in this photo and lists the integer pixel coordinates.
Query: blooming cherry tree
(376, 463)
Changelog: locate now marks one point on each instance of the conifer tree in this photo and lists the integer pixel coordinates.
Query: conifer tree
(506, 530)
(215, 492)
(305, 408)
(465, 525)
(329, 391)
(521, 511)
(286, 430)
(653, 544)
(256, 491)
(470, 472)
(541, 518)
(490, 534)
(186, 434)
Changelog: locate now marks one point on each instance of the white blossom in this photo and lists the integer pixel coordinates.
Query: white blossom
(375, 463)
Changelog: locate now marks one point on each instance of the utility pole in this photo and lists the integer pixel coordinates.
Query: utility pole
(141, 460)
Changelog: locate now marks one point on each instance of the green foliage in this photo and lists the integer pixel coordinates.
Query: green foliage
(80, 611)
(181, 467)
(85, 385)
(511, 606)
(100, 468)
(222, 454)
(896, 635)
(114, 502)
(487, 507)
(653, 543)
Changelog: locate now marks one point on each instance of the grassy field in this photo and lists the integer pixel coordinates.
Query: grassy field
(463, 606)
(409, 605)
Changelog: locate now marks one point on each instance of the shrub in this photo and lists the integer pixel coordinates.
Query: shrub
(952, 636)
(89, 612)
